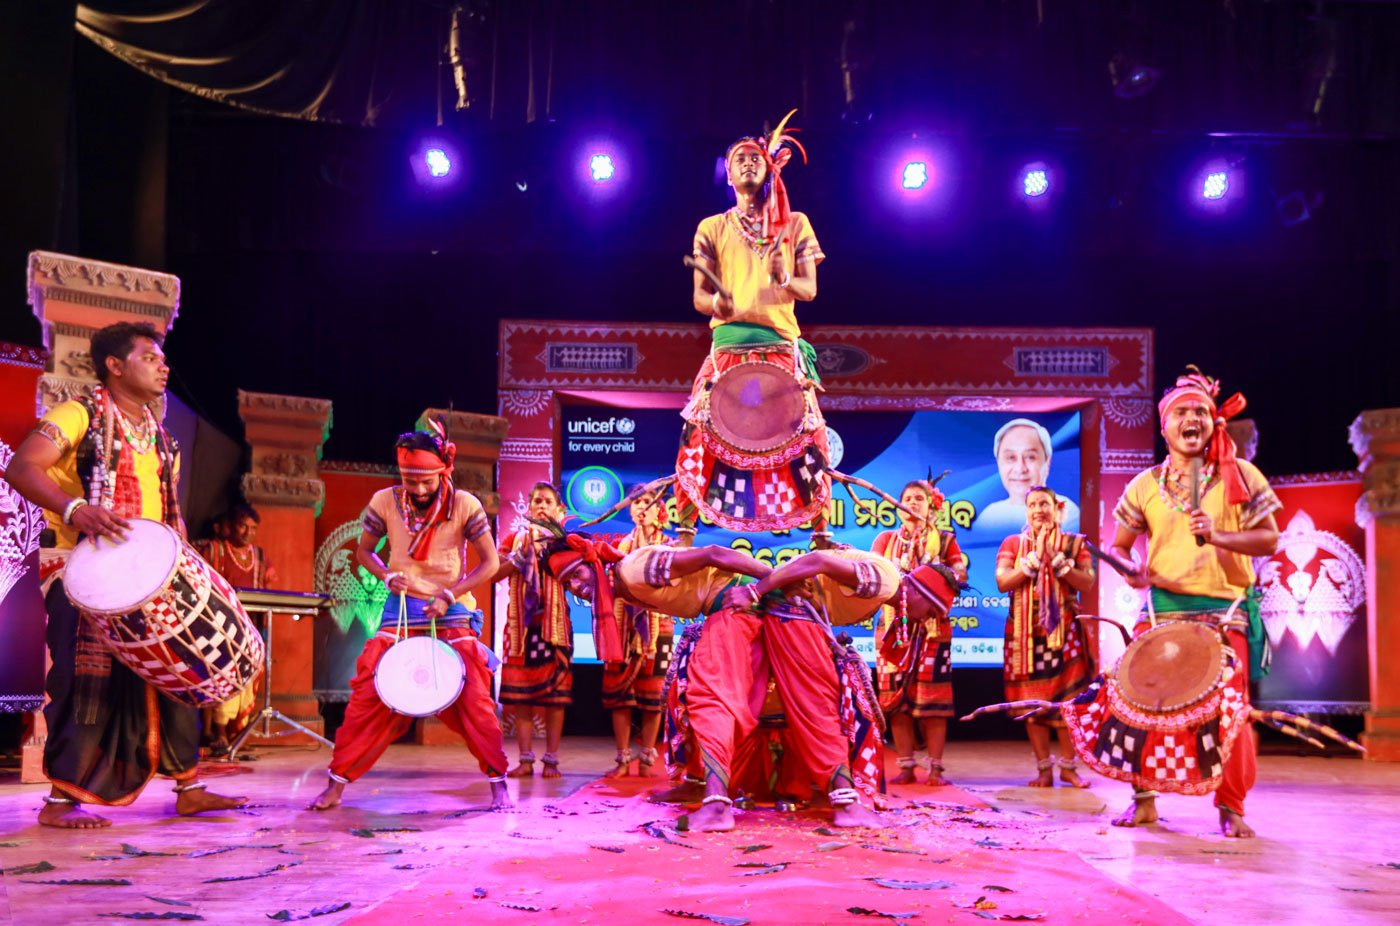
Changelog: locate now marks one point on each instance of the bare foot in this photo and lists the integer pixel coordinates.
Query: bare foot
(551, 771)
(715, 817)
(525, 769)
(620, 770)
(905, 777)
(70, 817)
(1233, 825)
(1070, 777)
(857, 814)
(935, 779)
(1140, 813)
(687, 792)
(500, 796)
(1045, 778)
(189, 803)
(328, 798)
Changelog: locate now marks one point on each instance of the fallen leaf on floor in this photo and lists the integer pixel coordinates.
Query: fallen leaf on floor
(83, 882)
(1009, 917)
(868, 845)
(712, 917)
(765, 870)
(478, 893)
(287, 915)
(832, 846)
(757, 847)
(167, 915)
(37, 868)
(369, 832)
(132, 851)
(528, 907)
(866, 911)
(608, 848)
(410, 866)
(826, 831)
(912, 885)
(388, 852)
(998, 888)
(168, 901)
(989, 843)
(262, 874)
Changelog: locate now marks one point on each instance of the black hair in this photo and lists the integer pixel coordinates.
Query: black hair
(420, 440)
(240, 511)
(549, 487)
(118, 341)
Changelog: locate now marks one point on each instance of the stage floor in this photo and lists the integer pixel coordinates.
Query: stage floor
(1328, 850)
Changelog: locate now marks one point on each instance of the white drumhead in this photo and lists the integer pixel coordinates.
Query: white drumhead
(117, 577)
(419, 676)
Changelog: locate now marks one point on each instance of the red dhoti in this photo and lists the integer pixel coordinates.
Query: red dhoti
(728, 673)
(371, 726)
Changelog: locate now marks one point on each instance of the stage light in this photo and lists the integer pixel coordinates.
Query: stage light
(438, 163)
(915, 175)
(1035, 180)
(601, 167)
(1216, 185)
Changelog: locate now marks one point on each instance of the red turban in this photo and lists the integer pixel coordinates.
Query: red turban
(934, 586)
(777, 151)
(1221, 451)
(598, 554)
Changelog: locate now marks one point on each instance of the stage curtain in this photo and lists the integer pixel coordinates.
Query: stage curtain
(344, 61)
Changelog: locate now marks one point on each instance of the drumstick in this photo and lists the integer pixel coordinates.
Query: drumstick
(847, 480)
(1008, 706)
(1196, 492)
(1109, 560)
(1127, 637)
(709, 274)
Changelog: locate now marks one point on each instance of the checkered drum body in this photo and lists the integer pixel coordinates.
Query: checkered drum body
(191, 639)
(1182, 750)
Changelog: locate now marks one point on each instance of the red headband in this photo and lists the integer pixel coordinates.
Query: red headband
(777, 211)
(1221, 450)
(934, 586)
(598, 554)
(427, 462)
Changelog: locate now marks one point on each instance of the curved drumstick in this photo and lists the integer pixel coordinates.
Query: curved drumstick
(1109, 560)
(1273, 718)
(709, 274)
(629, 498)
(1008, 706)
(1293, 732)
(1127, 637)
(848, 481)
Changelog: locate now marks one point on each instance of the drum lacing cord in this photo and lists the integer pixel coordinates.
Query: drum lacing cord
(843, 797)
(401, 632)
(192, 786)
(338, 779)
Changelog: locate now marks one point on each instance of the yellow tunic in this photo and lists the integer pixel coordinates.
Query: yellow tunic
(744, 271)
(445, 563)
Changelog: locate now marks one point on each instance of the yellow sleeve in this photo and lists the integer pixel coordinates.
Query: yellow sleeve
(1262, 500)
(64, 424)
(706, 247)
(1131, 510)
(806, 248)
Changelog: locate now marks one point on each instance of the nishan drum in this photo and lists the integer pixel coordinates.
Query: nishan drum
(166, 614)
(420, 676)
(757, 407)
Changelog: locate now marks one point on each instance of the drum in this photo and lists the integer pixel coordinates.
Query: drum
(166, 614)
(757, 407)
(420, 676)
(1166, 718)
(1174, 666)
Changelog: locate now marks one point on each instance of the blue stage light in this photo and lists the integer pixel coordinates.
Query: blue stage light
(1216, 185)
(439, 164)
(1035, 181)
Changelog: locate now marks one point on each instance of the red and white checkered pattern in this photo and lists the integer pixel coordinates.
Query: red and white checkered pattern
(692, 462)
(773, 495)
(1169, 759)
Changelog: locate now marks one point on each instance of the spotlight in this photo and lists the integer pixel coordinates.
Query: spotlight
(1035, 180)
(438, 163)
(1130, 77)
(915, 175)
(601, 168)
(1216, 185)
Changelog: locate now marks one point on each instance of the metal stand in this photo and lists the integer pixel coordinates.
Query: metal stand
(269, 713)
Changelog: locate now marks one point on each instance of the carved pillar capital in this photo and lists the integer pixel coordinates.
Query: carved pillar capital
(286, 434)
(1375, 437)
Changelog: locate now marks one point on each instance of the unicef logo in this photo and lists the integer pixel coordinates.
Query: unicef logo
(593, 490)
(626, 425)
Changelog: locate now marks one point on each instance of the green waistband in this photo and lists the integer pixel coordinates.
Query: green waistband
(717, 603)
(747, 334)
(1173, 602)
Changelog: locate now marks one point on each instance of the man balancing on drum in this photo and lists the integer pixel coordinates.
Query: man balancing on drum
(92, 463)
(428, 524)
(747, 466)
(1205, 514)
(914, 665)
(1046, 656)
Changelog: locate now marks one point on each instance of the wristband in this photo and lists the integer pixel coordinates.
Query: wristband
(714, 303)
(389, 577)
(787, 278)
(70, 508)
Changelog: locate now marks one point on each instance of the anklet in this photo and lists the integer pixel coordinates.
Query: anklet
(50, 799)
(1045, 765)
(550, 758)
(338, 779)
(908, 762)
(935, 766)
(1068, 765)
(497, 780)
(1141, 796)
(527, 757)
(192, 786)
(718, 799)
(843, 797)
(622, 758)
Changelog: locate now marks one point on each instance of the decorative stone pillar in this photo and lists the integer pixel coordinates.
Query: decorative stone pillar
(286, 434)
(478, 439)
(73, 297)
(1375, 436)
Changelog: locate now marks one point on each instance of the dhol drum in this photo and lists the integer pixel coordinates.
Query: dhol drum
(419, 676)
(757, 407)
(167, 615)
(1167, 716)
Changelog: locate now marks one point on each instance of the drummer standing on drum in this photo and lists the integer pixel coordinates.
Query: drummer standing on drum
(429, 524)
(91, 463)
(765, 257)
(1199, 555)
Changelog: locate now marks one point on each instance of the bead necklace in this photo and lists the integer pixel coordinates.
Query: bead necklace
(750, 228)
(142, 438)
(1175, 502)
(244, 560)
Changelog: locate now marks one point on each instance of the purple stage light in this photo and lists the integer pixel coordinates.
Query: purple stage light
(601, 167)
(1216, 185)
(437, 164)
(914, 176)
(1035, 180)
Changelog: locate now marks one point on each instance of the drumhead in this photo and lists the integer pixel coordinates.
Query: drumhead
(1171, 666)
(116, 577)
(757, 407)
(419, 676)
